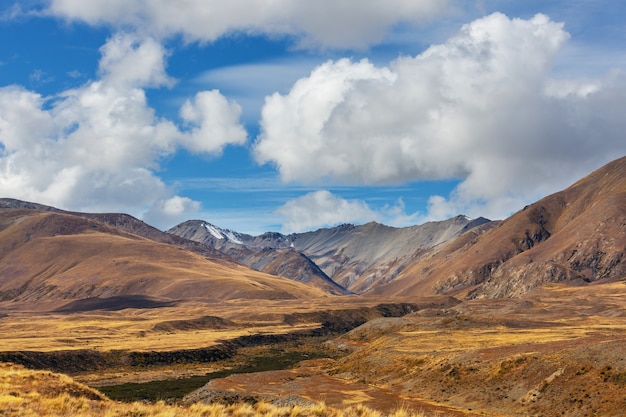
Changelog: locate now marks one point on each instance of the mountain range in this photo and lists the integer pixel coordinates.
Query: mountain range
(576, 236)
(358, 258)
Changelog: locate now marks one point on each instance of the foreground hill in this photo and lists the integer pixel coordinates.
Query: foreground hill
(577, 236)
(45, 394)
(556, 351)
(58, 257)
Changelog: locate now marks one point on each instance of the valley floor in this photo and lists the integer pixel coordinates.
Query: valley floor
(558, 350)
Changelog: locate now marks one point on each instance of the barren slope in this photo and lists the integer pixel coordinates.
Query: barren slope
(272, 256)
(46, 256)
(577, 235)
(358, 258)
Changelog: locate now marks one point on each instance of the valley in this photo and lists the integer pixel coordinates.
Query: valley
(559, 349)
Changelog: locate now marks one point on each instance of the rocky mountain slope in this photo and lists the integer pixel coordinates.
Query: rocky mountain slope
(275, 257)
(363, 257)
(577, 236)
(355, 257)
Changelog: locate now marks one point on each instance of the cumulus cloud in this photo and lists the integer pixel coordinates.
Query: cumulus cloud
(129, 61)
(324, 23)
(322, 208)
(214, 122)
(171, 211)
(97, 147)
(480, 107)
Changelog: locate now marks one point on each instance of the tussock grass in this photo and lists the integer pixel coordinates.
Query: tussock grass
(28, 393)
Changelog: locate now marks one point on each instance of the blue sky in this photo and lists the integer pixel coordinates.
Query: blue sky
(290, 116)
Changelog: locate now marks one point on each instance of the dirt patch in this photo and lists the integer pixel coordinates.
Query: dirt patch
(309, 382)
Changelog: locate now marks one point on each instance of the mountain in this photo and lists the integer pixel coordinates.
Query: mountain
(363, 257)
(52, 257)
(358, 258)
(576, 236)
(275, 257)
(123, 222)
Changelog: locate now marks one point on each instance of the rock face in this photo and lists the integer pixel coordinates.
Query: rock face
(357, 258)
(270, 253)
(577, 235)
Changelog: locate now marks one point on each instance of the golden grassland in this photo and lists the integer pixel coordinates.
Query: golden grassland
(118, 331)
(133, 329)
(426, 341)
(27, 393)
(557, 351)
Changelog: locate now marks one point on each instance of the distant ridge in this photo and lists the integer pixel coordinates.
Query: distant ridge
(275, 256)
(121, 221)
(354, 257)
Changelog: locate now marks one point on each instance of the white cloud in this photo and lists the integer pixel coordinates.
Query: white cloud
(214, 122)
(322, 208)
(292, 124)
(480, 107)
(128, 60)
(324, 23)
(97, 147)
(168, 212)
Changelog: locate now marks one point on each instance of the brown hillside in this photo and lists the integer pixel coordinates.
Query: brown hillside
(124, 222)
(46, 256)
(577, 235)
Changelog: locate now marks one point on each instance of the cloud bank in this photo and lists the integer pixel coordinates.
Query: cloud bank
(323, 23)
(98, 147)
(481, 108)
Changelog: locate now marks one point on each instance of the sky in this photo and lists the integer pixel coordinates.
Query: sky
(291, 116)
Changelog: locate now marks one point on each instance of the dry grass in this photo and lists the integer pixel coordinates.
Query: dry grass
(557, 351)
(424, 341)
(67, 258)
(132, 329)
(26, 393)
(128, 330)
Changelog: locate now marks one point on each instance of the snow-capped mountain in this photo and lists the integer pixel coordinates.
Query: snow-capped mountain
(271, 253)
(209, 234)
(223, 234)
(355, 257)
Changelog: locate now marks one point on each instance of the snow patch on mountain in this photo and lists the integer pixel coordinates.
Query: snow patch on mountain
(222, 234)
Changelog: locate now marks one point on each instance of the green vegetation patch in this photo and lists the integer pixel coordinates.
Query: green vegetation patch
(170, 390)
